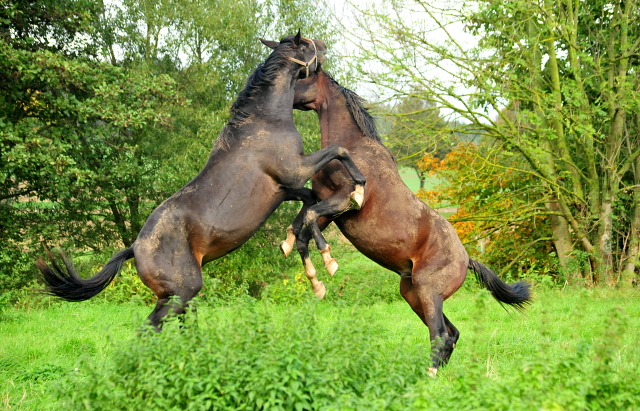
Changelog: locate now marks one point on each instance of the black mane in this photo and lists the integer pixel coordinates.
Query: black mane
(359, 113)
(263, 76)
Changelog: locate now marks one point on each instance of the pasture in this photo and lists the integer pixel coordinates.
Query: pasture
(573, 349)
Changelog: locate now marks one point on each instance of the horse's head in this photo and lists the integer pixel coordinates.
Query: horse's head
(310, 92)
(307, 54)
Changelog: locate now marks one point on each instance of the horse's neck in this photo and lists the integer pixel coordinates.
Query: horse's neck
(275, 102)
(336, 123)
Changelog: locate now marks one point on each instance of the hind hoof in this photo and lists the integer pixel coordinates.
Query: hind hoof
(286, 248)
(321, 291)
(331, 266)
(433, 372)
(357, 197)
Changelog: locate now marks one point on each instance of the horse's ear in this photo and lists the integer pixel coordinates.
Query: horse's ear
(270, 43)
(296, 39)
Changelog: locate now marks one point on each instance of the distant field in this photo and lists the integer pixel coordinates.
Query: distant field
(410, 178)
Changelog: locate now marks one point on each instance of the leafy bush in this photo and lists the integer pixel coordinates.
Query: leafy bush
(126, 287)
(251, 360)
(16, 268)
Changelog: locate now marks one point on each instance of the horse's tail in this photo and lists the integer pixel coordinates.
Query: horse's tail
(516, 295)
(67, 285)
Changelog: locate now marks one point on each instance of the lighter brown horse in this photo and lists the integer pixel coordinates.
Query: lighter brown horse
(394, 228)
(255, 165)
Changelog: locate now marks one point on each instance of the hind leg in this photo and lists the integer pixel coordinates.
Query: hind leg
(450, 344)
(428, 306)
(336, 204)
(311, 216)
(169, 275)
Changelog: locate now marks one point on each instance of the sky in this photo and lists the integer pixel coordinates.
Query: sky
(348, 46)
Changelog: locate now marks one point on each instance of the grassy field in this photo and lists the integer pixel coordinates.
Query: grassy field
(51, 357)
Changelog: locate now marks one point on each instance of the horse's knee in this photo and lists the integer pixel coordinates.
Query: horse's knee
(342, 152)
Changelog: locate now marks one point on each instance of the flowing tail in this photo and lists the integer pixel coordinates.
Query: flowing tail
(516, 295)
(67, 285)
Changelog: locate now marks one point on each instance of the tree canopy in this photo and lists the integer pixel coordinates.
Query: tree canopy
(552, 88)
(110, 107)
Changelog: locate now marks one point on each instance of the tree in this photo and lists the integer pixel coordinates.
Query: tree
(109, 108)
(416, 128)
(67, 135)
(566, 71)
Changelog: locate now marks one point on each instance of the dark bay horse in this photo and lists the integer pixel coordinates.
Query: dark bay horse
(394, 228)
(256, 164)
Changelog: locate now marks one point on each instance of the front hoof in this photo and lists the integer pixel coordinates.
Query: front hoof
(321, 291)
(433, 372)
(332, 266)
(286, 248)
(357, 197)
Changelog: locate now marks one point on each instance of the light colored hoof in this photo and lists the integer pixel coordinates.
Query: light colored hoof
(357, 197)
(433, 372)
(321, 291)
(286, 248)
(331, 266)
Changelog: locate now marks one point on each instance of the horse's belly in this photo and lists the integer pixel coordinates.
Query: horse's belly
(385, 241)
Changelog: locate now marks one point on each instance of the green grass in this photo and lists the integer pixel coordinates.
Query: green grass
(41, 349)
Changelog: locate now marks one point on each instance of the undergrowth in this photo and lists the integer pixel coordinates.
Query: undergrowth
(254, 360)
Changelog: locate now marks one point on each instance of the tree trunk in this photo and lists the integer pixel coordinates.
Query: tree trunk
(627, 275)
(120, 223)
(604, 273)
(562, 240)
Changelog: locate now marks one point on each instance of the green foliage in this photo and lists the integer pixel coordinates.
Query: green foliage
(64, 118)
(253, 361)
(585, 377)
(258, 360)
(51, 25)
(16, 269)
(108, 108)
(414, 127)
(551, 85)
(358, 281)
(557, 353)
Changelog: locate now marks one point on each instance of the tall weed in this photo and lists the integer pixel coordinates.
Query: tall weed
(252, 360)
(257, 360)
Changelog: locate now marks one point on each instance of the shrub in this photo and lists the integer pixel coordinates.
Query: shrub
(251, 360)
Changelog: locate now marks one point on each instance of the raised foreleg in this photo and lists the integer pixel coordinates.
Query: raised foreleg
(329, 208)
(314, 162)
(334, 205)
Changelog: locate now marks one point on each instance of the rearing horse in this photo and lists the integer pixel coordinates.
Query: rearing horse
(256, 164)
(394, 228)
